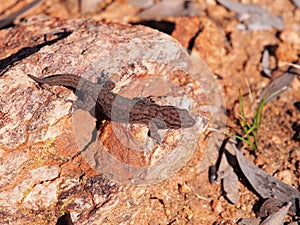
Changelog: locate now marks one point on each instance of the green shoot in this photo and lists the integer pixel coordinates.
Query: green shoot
(250, 130)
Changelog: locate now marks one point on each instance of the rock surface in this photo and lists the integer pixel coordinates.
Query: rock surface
(43, 172)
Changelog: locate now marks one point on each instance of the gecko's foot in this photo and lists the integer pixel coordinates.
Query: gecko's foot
(108, 85)
(153, 133)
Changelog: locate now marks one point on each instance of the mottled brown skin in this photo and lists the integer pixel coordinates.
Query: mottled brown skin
(120, 109)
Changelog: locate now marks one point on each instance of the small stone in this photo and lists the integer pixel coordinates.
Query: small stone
(285, 176)
(168, 211)
(185, 188)
(186, 29)
(188, 212)
(290, 36)
(259, 161)
(286, 53)
(218, 207)
(244, 207)
(277, 140)
(211, 2)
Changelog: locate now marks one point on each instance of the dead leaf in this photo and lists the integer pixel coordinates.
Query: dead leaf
(268, 186)
(89, 6)
(141, 3)
(230, 186)
(296, 3)
(270, 206)
(254, 16)
(10, 18)
(226, 173)
(278, 217)
(170, 8)
(249, 221)
(277, 86)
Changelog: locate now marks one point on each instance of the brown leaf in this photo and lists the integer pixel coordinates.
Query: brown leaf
(170, 8)
(249, 221)
(268, 186)
(277, 86)
(278, 217)
(254, 16)
(230, 186)
(271, 205)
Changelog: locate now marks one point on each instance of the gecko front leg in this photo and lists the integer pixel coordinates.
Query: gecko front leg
(153, 132)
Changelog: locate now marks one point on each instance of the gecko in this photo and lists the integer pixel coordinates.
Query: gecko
(117, 108)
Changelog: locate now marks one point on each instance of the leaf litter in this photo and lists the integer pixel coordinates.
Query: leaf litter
(278, 85)
(279, 197)
(254, 16)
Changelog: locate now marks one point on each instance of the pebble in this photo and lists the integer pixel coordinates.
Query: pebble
(285, 176)
(290, 36)
(286, 53)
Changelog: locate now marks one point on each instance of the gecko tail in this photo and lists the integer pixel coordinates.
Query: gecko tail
(67, 80)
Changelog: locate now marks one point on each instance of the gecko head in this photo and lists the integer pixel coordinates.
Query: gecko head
(176, 118)
(186, 119)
